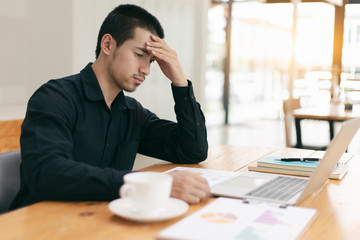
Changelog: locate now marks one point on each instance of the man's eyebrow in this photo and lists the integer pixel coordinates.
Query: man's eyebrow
(143, 50)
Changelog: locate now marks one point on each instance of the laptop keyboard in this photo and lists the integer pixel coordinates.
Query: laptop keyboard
(280, 188)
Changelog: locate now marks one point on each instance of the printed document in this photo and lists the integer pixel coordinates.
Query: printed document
(227, 218)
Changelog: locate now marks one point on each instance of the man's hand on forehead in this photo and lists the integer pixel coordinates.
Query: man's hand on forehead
(167, 59)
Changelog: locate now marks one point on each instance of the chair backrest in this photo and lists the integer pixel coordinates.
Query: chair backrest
(9, 178)
(288, 106)
(10, 131)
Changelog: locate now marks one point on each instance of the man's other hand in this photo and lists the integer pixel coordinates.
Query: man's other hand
(189, 186)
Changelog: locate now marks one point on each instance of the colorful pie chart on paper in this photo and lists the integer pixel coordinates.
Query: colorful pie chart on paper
(219, 217)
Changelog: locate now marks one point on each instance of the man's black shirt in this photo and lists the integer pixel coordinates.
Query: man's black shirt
(74, 147)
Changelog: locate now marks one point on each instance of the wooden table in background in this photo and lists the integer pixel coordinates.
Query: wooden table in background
(338, 206)
(332, 112)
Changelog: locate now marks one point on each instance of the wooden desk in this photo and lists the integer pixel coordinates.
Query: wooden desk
(337, 204)
(328, 112)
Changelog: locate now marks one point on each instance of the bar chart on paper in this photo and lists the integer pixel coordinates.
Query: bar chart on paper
(268, 218)
(227, 218)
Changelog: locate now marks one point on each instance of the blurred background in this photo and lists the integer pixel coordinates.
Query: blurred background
(243, 57)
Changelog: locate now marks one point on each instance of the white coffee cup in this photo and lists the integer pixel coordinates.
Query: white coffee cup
(147, 192)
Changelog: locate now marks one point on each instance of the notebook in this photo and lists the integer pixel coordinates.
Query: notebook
(288, 190)
(273, 164)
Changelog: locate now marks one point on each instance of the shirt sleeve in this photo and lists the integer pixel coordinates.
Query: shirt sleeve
(181, 142)
(49, 171)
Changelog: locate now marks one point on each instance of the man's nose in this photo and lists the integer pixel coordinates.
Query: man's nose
(145, 68)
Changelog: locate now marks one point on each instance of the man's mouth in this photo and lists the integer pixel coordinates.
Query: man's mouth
(139, 79)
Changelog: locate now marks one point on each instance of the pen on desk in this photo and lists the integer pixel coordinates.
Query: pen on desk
(300, 159)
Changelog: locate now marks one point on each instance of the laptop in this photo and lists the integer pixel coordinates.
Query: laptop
(288, 190)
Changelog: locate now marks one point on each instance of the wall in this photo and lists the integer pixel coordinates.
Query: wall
(35, 46)
(43, 39)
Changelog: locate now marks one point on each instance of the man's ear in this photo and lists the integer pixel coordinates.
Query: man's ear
(106, 44)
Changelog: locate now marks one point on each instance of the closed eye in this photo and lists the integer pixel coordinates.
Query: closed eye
(144, 51)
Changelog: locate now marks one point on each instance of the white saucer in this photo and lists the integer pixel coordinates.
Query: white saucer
(173, 208)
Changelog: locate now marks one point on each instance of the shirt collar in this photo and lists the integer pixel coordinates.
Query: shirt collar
(93, 91)
(91, 85)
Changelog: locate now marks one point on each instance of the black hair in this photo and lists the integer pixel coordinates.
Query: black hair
(121, 23)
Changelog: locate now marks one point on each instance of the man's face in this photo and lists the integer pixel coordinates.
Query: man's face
(130, 62)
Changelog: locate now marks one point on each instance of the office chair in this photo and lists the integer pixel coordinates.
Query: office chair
(9, 178)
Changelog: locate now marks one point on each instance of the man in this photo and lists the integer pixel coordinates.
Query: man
(81, 133)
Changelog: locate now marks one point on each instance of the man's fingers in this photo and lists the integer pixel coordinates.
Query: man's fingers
(155, 38)
(189, 187)
(202, 187)
(161, 53)
(159, 46)
(167, 60)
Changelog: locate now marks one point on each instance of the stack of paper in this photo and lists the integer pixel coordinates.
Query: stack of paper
(227, 218)
(211, 175)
